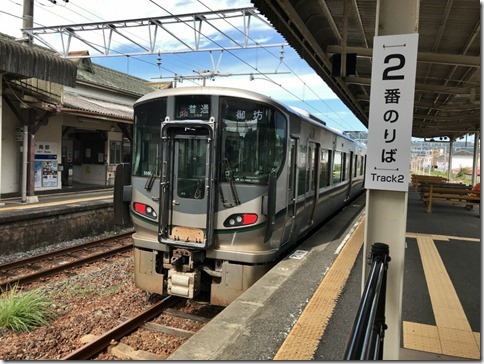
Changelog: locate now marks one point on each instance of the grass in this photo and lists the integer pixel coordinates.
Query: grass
(24, 311)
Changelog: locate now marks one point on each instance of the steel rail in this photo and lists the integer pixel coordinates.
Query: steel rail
(23, 262)
(93, 348)
(28, 278)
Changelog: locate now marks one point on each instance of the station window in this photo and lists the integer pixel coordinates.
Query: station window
(115, 152)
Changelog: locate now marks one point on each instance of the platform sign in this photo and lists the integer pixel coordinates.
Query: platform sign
(391, 112)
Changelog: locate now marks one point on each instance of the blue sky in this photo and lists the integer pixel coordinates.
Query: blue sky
(292, 81)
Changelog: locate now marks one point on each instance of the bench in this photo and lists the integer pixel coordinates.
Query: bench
(425, 186)
(451, 196)
(418, 179)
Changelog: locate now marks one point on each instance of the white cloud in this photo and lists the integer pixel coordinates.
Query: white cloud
(306, 88)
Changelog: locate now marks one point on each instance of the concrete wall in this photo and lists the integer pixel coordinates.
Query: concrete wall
(44, 228)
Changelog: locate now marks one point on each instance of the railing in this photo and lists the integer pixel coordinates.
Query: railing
(366, 341)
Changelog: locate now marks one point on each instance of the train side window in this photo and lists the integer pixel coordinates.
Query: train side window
(355, 166)
(292, 157)
(337, 171)
(347, 166)
(344, 166)
(302, 170)
(324, 164)
(309, 168)
(313, 163)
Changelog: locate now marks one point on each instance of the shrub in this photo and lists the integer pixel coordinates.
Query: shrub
(23, 311)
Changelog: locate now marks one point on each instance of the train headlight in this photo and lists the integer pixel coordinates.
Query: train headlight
(240, 220)
(144, 210)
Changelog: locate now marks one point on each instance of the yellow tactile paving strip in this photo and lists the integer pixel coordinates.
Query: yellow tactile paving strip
(53, 203)
(452, 334)
(442, 237)
(303, 339)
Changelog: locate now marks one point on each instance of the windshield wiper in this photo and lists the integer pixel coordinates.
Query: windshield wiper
(149, 182)
(230, 176)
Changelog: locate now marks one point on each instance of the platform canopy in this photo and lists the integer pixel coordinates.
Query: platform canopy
(447, 95)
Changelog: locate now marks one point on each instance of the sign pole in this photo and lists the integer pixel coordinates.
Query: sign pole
(389, 143)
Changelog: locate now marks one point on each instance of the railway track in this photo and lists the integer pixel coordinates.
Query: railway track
(142, 320)
(31, 269)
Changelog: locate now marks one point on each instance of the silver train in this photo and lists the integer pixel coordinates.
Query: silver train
(223, 182)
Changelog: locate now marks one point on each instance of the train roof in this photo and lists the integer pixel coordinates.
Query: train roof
(235, 92)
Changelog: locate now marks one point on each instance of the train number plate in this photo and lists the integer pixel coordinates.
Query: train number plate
(187, 234)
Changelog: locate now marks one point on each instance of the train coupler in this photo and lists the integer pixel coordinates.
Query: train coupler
(182, 260)
(183, 284)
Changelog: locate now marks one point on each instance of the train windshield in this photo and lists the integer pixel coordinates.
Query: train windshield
(254, 140)
(147, 146)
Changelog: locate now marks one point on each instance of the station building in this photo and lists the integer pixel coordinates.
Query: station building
(76, 124)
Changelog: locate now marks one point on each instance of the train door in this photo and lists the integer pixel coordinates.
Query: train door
(186, 199)
(309, 184)
(291, 191)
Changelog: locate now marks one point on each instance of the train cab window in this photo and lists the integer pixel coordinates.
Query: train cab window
(192, 107)
(147, 146)
(191, 164)
(337, 170)
(324, 168)
(253, 139)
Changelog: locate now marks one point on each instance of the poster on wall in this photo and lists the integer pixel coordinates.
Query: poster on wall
(45, 166)
(37, 174)
(49, 174)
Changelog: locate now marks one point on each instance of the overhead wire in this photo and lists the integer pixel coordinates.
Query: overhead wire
(288, 67)
(132, 34)
(222, 47)
(97, 35)
(305, 85)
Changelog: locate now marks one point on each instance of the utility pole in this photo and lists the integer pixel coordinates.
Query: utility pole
(28, 188)
(28, 20)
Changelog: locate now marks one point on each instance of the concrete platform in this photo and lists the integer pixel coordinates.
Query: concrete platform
(57, 216)
(442, 268)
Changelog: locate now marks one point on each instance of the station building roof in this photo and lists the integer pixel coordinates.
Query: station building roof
(95, 74)
(19, 60)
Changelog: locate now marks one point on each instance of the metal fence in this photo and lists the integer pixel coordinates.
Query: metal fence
(366, 340)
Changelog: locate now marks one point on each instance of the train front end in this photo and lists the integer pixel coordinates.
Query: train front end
(205, 170)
